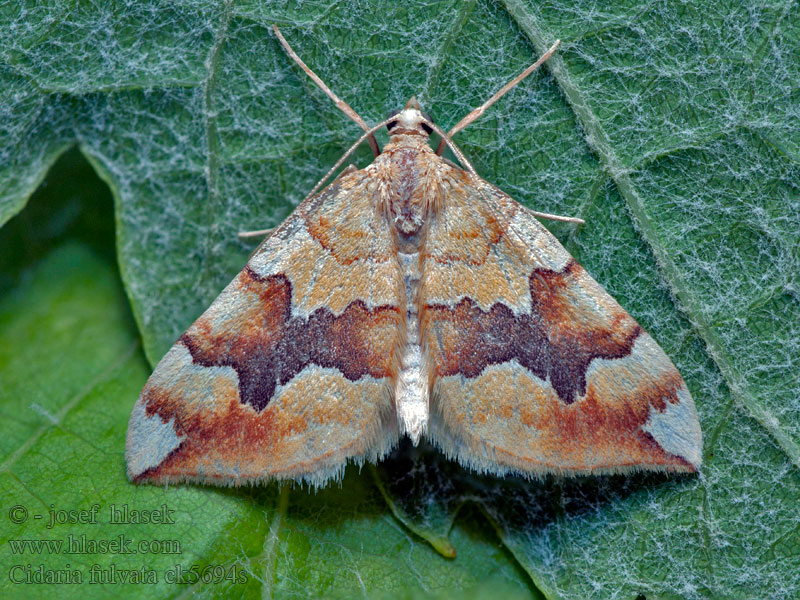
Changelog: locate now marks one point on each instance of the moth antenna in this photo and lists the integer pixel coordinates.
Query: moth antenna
(476, 113)
(344, 157)
(462, 159)
(340, 104)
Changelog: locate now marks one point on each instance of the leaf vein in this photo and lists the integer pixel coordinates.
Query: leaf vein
(71, 404)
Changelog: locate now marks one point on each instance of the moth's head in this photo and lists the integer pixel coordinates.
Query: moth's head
(409, 120)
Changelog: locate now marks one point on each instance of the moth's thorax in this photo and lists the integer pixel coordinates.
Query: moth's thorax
(409, 184)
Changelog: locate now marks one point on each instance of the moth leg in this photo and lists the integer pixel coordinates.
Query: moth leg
(541, 215)
(351, 168)
(256, 233)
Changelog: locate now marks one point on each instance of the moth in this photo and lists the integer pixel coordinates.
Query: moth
(411, 297)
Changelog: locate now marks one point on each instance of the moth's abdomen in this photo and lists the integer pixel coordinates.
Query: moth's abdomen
(411, 389)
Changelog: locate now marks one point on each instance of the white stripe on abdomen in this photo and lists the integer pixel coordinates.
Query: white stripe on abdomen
(411, 391)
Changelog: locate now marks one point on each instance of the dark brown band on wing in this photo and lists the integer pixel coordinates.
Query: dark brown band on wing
(556, 341)
(267, 346)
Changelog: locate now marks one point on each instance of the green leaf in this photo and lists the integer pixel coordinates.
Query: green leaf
(671, 128)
